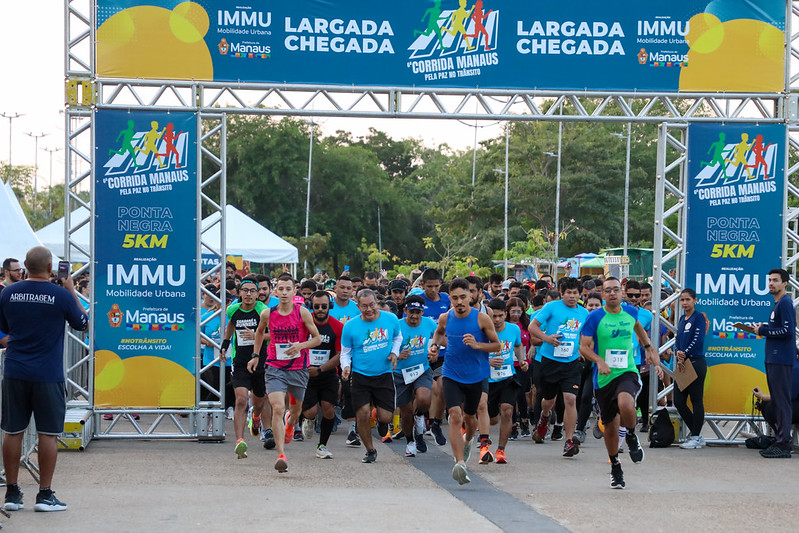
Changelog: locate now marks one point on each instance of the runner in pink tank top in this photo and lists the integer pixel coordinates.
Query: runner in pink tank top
(284, 331)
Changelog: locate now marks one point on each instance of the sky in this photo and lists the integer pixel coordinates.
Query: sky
(32, 37)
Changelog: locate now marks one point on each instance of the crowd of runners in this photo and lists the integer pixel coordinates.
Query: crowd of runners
(405, 357)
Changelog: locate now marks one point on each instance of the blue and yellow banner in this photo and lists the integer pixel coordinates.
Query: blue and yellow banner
(625, 45)
(145, 243)
(736, 201)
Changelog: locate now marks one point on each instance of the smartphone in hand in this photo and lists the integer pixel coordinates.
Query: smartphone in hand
(63, 270)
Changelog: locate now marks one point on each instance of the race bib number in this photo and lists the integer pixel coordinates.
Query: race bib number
(502, 372)
(242, 341)
(280, 351)
(616, 358)
(318, 357)
(565, 350)
(411, 374)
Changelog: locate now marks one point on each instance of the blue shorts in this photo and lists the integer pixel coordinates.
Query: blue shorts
(46, 401)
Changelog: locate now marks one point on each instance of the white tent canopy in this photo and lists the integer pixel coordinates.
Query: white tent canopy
(17, 236)
(247, 238)
(244, 237)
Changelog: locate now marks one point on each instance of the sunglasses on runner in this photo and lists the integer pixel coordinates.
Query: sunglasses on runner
(320, 306)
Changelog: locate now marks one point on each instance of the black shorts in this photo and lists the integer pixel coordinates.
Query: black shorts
(523, 379)
(322, 388)
(501, 392)
(466, 395)
(46, 401)
(375, 390)
(560, 377)
(255, 382)
(607, 396)
(535, 374)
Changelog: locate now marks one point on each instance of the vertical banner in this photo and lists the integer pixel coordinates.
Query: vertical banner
(736, 200)
(145, 248)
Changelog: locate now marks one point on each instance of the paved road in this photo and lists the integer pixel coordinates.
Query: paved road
(184, 486)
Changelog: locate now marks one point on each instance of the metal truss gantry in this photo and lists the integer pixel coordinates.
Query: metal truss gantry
(213, 100)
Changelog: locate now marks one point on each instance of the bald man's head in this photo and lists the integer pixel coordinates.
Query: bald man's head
(39, 260)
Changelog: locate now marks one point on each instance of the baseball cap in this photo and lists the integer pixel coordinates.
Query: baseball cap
(506, 284)
(397, 285)
(414, 306)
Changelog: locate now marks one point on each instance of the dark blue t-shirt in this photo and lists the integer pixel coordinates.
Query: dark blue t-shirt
(33, 314)
(780, 333)
(436, 309)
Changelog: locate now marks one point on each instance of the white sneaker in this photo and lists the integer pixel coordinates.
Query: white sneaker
(702, 442)
(323, 453)
(308, 426)
(410, 449)
(419, 421)
(229, 413)
(691, 443)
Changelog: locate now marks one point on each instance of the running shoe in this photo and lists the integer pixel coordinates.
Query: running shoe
(634, 447)
(308, 426)
(467, 449)
(579, 435)
(323, 453)
(352, 440)
(370, 457)
(269, 439)
(241, 449)
(557, 432)
(501, 459)
(13, 499)
(255, 426)
(298, 436)
(485, 455)
(691, 443)
(263, 434)
(460, 474)
(541, 429)
(281, 465)
(616, 476)
(702, 441)
(410, 449)
(524, 430)
(421, 445)
(108, 417)
(514, 433)
(597, 431)
(386, 439)
(399, 435)
(438, 435)
(419, 426)
(289, 436)
(229, 413)
(775, 452)
(571, 448)
(47, 502)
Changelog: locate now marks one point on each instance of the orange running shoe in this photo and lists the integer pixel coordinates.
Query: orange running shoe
(485, 455)
(500, 457)
(281, 465)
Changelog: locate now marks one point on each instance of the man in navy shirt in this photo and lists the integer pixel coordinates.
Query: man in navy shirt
(33, 313)
(780, 334)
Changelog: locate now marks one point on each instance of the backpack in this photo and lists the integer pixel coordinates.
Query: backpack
(661, 432)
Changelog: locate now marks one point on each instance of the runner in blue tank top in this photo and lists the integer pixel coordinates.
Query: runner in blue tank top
(470, 337)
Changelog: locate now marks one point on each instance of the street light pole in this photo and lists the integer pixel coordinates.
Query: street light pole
(10, 117)
(308, 201)
(51, 151)
(379, 242)
(626, 183)
(557, 190)
(507, 144)
(36, 165)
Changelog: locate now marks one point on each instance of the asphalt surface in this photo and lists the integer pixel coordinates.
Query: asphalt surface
(127, 485)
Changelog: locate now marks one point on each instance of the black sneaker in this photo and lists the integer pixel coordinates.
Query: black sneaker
(762, 442)
(524, 429)
(775, 452)
(438, 435)
(421, 445)
(269, 439)
(370, 457)
(298, 436)
(13, 499)
(634, 447)
(571, 448)
(616, 476)
(514, 433)
(352, 440)
(47, 502)
(557, 433)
